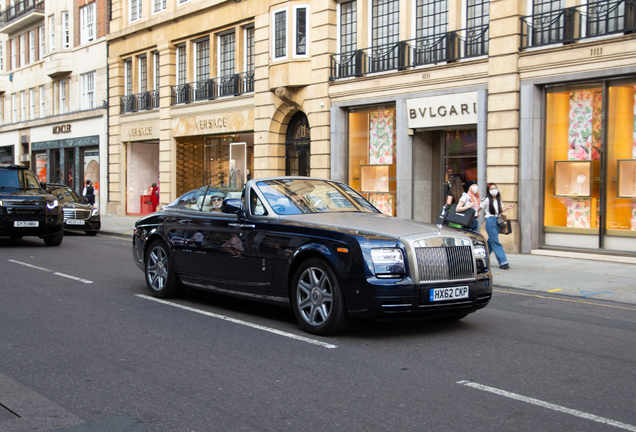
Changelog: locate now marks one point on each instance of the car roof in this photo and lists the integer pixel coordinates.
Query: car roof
(7, 166)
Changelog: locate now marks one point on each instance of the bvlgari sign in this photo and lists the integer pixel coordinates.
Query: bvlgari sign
(448, 110)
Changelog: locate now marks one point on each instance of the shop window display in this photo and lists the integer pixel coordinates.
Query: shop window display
(221, 161)
(372, 157)
(576, 152)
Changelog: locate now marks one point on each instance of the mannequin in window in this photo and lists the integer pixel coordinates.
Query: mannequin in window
(235, 174)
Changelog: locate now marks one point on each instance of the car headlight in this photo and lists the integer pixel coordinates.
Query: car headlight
(388, 262)
(482, 257)
(95, 212)
(51, 205)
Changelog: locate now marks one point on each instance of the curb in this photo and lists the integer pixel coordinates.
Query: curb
(115, 234)
(564, 294)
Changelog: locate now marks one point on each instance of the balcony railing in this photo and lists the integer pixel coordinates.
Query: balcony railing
(447, 47)
(231, 85)
(578, 22)
(139, 102)
(19, 10)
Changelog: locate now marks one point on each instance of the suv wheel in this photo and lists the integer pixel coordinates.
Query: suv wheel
(55, 239)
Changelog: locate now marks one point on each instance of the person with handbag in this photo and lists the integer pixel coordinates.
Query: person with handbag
(493, 214)
(454, 193)
(471, 199)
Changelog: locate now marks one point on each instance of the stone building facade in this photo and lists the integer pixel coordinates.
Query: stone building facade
(393, 97)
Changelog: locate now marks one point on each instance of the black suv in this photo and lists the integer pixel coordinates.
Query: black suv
(26, 209)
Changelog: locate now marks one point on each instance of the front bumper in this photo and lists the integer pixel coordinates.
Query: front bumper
(47, 224)
(403, 299)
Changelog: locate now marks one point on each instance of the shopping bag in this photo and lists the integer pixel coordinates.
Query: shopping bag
(465, 218)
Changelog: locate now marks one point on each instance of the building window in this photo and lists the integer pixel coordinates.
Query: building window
(62, 89)
(66, 31)
(14, 108)
(156, 77)
(42, 36)
(348, 27)
(280, 35)
(179, 2)
(385, 22)
(14, 54)
(477, 20)
(301, 31)
(203, 60)
(87, 23)
(227, 50)
(32, 103)
(22, 50)
(431, 26)
(143, 74)
(128, 76)
(52, 33)
(23, 116)
(88, 90)
(1, 58)
(372, 156)
(42, 102)
(181, 64)
(32, 46)
(249, 49)
(158, 6)
(135, 10)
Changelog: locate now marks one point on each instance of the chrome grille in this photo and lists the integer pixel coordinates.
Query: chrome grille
(71, 213)
(444, 263)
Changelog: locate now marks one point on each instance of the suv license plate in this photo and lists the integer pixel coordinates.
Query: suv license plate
(32, 224)
(451, 293)
(74, 222)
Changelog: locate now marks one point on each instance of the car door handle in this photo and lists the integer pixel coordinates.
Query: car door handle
(239, 226)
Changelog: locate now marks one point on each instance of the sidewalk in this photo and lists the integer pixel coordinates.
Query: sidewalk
(572, 276)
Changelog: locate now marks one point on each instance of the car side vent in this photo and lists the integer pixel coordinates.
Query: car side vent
(445, 263)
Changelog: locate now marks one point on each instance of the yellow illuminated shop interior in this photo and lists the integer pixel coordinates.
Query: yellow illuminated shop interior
(574, 155)
(372, 157)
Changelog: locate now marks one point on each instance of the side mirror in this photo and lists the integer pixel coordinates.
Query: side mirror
(232, 206)
(84, 200)
(43, 185)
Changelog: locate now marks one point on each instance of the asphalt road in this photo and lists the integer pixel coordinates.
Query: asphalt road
(82, 349)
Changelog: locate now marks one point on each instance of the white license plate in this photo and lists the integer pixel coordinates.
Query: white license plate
(33, 224)
(451, 293)
(74, 222)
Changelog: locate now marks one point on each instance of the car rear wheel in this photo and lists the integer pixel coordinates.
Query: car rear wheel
(160, 276)
(55, 239)
(317, 299)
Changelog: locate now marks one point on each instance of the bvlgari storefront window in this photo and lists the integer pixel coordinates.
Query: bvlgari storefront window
(590, 155)
(224, 161)
(372, 156)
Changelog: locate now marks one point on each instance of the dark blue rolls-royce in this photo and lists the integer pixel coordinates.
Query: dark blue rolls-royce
(316, 245)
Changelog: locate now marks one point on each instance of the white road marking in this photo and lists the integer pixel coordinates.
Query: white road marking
(237, 321)
(548, 405)
(86, 281)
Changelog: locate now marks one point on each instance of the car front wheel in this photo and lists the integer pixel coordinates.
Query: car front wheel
(317, 299)
(160, 276)
(55, 239)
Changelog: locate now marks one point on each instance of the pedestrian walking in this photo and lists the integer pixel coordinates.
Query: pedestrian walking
(493, 208)
(471, 199)
(89, 192)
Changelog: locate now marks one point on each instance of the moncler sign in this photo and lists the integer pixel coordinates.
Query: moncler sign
(448, 110)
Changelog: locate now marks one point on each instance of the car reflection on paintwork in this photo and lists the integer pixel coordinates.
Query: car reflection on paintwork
(316, 246)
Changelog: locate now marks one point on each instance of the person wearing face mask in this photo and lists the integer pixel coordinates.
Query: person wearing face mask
(470, 199)
(493, 207)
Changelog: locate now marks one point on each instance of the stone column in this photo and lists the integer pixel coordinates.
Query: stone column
(167, 144)
(503, 109)
(116, 150)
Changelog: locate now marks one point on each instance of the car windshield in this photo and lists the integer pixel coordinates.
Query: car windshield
(64, 194)
(17, 179)
(296, 196)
